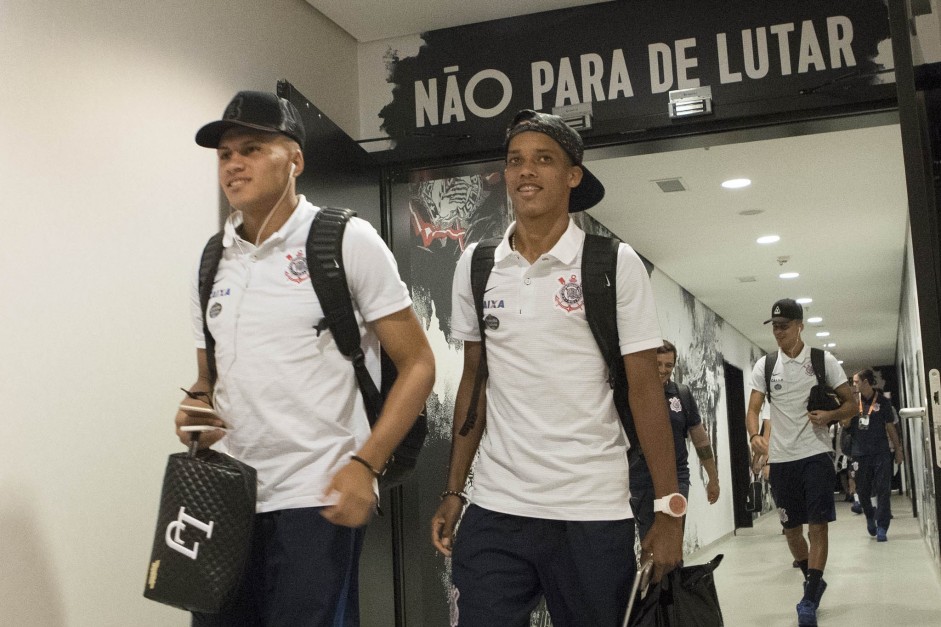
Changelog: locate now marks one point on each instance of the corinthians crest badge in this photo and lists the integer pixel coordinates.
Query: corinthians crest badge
(569, 297)
(297, 267)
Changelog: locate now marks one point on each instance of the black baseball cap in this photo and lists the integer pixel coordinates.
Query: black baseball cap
(787, 309)
(590, 191)
(258, 110)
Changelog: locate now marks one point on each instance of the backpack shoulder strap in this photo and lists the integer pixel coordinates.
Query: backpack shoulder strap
(820, 369)
(481, 265)
(324, 252)
(599, 289)
(208, 266)
(770, 360)
(328, 276)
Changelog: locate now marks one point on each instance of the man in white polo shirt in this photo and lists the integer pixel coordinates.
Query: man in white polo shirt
(287, 396)
(802, 473)
(550, 513)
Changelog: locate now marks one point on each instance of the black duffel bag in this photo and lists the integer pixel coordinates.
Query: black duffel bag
(204, 531)
(685, 597)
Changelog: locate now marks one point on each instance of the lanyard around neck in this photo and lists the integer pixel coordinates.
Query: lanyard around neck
(875, 395)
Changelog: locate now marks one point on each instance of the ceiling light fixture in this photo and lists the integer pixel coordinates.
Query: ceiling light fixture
(768, 239)
(823, 334)
(830, 345)
(804, 301)
(788, 275)
(736, 183)
(815, 320)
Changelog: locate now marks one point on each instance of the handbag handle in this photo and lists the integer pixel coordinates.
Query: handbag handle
(194, 431)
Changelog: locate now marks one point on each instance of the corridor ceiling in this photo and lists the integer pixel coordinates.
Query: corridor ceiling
(837, 199)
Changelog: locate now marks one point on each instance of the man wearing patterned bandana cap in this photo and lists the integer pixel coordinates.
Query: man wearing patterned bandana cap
(288, 396)
(549, 512)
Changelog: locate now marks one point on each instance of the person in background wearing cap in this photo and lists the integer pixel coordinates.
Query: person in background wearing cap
(288, 398)
(550, 513)
(873, 429)
(799, 449)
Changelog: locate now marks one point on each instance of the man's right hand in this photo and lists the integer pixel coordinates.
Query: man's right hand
(186, 417)
(444, 522)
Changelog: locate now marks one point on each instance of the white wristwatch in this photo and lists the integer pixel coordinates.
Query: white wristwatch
(672, 504)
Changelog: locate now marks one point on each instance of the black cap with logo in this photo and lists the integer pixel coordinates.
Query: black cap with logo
(786, 309)
(258, 110)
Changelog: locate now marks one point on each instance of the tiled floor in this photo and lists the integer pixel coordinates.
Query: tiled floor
(890, 584)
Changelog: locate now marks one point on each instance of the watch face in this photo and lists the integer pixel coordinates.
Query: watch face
(677, 504)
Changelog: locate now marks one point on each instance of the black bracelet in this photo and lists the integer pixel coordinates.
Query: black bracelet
(357, 458)
(754, 435)
(456, 493)
(199, 395)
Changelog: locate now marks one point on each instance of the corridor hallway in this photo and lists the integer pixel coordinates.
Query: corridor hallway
(890, 584)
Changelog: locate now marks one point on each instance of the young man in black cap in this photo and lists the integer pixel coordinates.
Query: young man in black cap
(550, 513)
(286, 395)
(802, 475)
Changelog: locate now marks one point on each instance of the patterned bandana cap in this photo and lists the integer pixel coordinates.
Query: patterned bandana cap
(258, 110)
(590, 191)
(788, 309)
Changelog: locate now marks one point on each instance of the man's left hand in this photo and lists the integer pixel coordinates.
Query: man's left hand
(712, 492)
(352, 487)
(663, 544)
(820, 418)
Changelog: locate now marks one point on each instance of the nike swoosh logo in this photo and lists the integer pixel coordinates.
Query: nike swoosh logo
(490, 288)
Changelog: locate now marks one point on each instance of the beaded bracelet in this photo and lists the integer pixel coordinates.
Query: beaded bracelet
(456, 493)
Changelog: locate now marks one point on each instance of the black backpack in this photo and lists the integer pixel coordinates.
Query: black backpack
(325, 264)
(599, 269)
(822, 396)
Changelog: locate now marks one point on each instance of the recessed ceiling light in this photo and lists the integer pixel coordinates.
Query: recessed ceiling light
(815, 320)
(788, 275)
(768, 239)
(823, 334)
(830, 345)
(804, 301)
(736, 183)
(839, 361)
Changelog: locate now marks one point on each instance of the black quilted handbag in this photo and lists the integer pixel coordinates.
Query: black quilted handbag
(204, 531)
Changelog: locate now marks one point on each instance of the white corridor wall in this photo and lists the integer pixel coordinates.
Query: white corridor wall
(105, 203)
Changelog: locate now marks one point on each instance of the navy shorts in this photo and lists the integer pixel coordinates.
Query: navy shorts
(803, 490)
(303, 572)
(503, 564)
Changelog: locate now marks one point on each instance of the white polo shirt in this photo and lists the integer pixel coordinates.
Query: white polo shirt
(553, 446)
(793, 437)
(290, 398)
